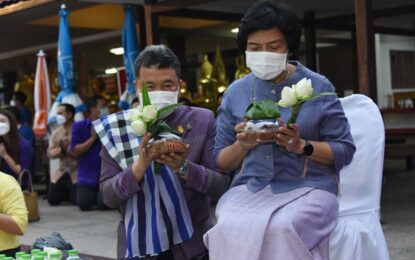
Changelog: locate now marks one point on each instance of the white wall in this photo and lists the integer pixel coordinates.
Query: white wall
(383, 45)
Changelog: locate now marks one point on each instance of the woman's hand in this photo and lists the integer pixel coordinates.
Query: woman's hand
(240, 136)
(144, 161)
(3, 152)
(289, 137)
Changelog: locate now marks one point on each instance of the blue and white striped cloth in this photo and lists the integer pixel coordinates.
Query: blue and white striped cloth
(157, 216)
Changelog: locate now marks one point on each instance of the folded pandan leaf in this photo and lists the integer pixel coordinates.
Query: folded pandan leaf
(266, 109)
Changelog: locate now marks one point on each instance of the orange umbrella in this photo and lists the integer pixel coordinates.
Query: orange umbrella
(42, 96)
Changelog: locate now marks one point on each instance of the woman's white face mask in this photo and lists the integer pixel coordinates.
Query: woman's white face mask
(4, 128)
(161, 98)
(60, 119)
(266, 65)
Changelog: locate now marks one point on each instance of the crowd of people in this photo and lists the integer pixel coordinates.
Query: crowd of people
(264, 195)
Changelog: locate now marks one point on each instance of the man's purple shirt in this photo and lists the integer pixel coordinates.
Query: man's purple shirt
(89, 163)
(204, 180)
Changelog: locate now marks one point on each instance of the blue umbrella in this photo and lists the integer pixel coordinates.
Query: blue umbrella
(65, 65)
(130, 45)
(65, 71)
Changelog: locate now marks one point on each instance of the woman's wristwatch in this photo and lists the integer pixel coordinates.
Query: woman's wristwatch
(184, 170)
(308, 148)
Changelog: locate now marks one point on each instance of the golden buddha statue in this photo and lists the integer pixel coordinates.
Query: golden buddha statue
(219, 71)
(26, 84)
(241, 69)
(207, 88)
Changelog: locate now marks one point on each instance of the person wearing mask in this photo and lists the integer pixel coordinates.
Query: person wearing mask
(25, 130)
(283, 201)
(127, 178)
(63, 180)
(18, 100)
(85, 147)
(16, 153)
(13, 215)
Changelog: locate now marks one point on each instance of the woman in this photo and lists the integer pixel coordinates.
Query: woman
(16, 153)
(283, 198)
(13, 215)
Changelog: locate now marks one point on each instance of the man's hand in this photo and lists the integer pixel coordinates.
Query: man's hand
(144, 161)
(174, 160)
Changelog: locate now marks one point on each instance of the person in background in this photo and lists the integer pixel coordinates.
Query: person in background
(85, 147)
(127, 178)
(25, 130)
(135, 102)
(63, 180)
(13, 215)
(19, 99)
(283, 198)
(16, 153)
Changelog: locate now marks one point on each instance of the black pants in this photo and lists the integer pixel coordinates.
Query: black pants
(11, 252)
(63, 190)
(167, 255)
(87, 197)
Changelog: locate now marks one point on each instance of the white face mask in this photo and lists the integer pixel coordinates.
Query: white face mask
(161, 99)
(104, 111)
(4, 128)
(266, 65)
(12, 103)
(60, 119)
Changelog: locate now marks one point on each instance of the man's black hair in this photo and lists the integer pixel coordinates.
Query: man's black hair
(266, 15)
(69, 108)
(158, 56)
(93, 101)
(20, 96)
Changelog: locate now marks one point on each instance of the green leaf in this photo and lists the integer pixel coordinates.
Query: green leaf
(262, 110)
(146, 97)
(161, 127)
(166, 111)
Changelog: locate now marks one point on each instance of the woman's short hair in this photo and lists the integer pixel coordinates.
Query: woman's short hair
(158, 56)
(266, 15)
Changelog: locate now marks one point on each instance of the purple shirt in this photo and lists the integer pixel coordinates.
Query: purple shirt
(89, 163)
(26, 154)
(203, 183)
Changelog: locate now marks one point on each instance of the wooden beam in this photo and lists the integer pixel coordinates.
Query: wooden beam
(310, 40)
(22, 6)
(206, 15)
(148, 24)
(376, 14)
(365, 49)
(171, 5)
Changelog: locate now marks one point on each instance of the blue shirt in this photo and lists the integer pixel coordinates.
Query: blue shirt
(321, 119)
(27, 132)
(89, 163)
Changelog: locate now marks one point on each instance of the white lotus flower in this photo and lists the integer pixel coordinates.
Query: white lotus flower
(138, 127)
(288, 97)
(303, 89)
(135, 114)
(149, 113)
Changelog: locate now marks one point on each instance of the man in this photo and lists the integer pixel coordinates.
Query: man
(63, 180)
(86, 146)
(19, 99)
(150, 226)
(13, 215)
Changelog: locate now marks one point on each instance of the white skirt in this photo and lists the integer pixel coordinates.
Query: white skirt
(292, 225)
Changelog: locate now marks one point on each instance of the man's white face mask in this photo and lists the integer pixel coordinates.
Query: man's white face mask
(60, 119)
(12, 103)
(4, 128)
(266, 65)
(161, 98)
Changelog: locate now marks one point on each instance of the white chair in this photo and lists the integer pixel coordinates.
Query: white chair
(358, 234)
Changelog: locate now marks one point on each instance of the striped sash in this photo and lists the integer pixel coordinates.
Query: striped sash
(157, 216)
